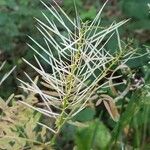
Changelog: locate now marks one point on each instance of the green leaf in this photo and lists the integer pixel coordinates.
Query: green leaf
(95, 136)
(89, 14)
(85, 115)
(140, 24)
(131, 110)
(3, 18)
(2, 2)
(139, 61)
(135, 8)
(11, 4)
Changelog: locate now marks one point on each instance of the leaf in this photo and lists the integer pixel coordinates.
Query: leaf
(85, 115)
(18, 124)
(3, 18)
(95, 136)
(143, 24)
(3, 2)
(11, 4)
(110, 106)
(131, 110)
(30, 126)
(3, 144)
(112, 110)
(136, 8)
(89, 14)
(139, 61)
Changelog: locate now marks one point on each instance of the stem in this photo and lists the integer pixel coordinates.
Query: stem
(70, 80)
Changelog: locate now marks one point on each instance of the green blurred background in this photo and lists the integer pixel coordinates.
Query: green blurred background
(17, 21)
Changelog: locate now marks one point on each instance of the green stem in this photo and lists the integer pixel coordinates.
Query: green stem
(70, 83)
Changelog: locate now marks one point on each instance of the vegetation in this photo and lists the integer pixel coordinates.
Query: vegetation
(87, 74)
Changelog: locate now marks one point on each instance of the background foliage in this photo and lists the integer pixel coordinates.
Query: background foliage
(16, 22)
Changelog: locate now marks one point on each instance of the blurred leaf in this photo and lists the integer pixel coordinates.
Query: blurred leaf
(131, 110)
(136, 8)
(18, 124)
(140, 61)
(11, 4)
(90, 14)
(95, 136)
(3, 2)
(68, 132)
(85, 115)
(140, 24)
(30, 126)
(3, 19)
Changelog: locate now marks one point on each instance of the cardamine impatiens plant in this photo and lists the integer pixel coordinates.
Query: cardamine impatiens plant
(6, 75)
(79, 65)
